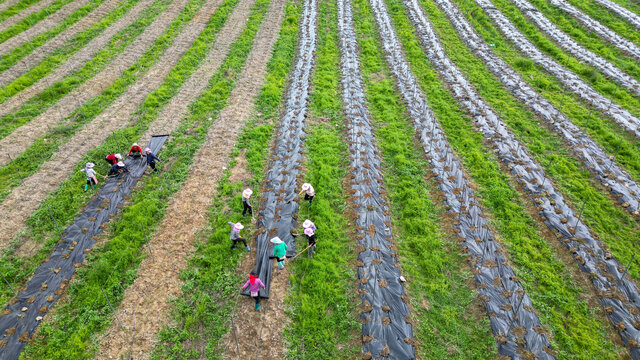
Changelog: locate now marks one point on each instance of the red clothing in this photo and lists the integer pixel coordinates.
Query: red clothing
(135, 148)
(112, 159)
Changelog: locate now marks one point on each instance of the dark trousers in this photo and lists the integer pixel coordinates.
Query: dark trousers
(256, 299)
(308, 198)
(108, 161)
(91, 182)
(246, 208)
(153, 165)
(238, 240)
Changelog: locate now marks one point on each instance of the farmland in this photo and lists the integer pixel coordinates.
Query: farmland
(475, 163)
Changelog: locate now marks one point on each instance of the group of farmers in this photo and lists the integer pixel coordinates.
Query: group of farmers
(280, 247)
(116, 161)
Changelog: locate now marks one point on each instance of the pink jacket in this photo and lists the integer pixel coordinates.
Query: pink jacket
(255, 287)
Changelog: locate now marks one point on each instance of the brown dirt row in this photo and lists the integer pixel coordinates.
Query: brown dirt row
(19, 205)
(5, 5)
(145, 307)
(21, 138)
(45, 25)
(72, 64)
(9, 22)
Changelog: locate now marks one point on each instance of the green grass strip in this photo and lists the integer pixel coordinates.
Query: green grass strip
(613, 225)
(67, 200)
(41, 150)
(449, 324)
(600, 83)
(588, 40)
(113, 266)
(608, 18)
(32, 19)
(61, 55)
(11, 58)
(559, 302)
(16, 8)
(323, 301)
(211, 282)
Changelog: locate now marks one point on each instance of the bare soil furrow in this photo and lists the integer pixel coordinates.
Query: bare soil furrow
(615, 291)
(602, 31)
(623, 12)
(22, 137)
(385, 315)
(45, 25)
(72, 64)
(624, 188)
(177, 108)
(8, 3)
(569, 45)
(146, 302)
(570, 80)
(24, 13)
(28, 196)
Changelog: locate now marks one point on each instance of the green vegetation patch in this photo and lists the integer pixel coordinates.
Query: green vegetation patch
(578, 331)
(608, 18)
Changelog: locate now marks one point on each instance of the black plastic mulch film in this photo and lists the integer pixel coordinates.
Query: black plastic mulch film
(53, 276)
(277, 215)
(569, 45)
(570, 80)
(386, 329)
(512, 317)
(623, 188)
(602, 31)
(616, 293)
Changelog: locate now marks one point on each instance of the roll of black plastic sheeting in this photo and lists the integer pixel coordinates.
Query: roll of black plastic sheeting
(277, 214)
(53, 275)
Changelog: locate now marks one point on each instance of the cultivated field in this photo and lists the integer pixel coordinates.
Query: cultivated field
(476, 165)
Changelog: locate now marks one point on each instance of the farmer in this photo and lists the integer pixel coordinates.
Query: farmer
(246, 194)
(136, 151)
(308, 191)
(235, 237)
(91, 176)
(117, 169)
(113, 159)
(279, 251)
(151, 159)
(311, 238)
(254, 285)
(308, 224)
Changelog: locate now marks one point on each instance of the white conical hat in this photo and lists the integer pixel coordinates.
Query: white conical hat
(238, 227)
(276, 240)
(247, 193)
(120, 163)
(89, 165)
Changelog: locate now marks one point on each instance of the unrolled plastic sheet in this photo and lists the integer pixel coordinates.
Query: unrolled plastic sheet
(618, 294)
(601, 30)
(622, 186)
(570, 80)
(277, 214)
(385, 316)
(513, 319)
(53, 276)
